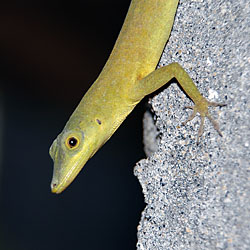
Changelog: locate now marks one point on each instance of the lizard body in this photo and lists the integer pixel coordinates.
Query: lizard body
(127, 77)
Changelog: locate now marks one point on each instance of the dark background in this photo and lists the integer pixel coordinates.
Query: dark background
(50, 54)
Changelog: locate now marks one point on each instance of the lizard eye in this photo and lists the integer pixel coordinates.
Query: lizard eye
(72, 142)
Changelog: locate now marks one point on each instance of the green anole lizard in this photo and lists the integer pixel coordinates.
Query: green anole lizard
(127, 77)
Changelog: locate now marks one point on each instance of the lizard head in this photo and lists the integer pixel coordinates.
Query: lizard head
(69, 151)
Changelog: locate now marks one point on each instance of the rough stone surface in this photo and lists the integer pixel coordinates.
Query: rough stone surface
(198, 197)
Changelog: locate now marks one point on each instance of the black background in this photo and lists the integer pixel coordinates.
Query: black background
(50, 53)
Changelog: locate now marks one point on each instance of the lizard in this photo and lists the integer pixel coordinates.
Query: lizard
(128, 76)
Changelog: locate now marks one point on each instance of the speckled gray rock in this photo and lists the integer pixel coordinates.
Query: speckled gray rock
(198, 197)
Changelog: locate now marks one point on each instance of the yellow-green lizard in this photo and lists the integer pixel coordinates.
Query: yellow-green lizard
(127, 77)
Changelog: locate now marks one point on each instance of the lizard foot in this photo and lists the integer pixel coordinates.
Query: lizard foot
(201, 107)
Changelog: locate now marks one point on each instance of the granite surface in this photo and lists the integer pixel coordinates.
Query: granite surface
(198, 197)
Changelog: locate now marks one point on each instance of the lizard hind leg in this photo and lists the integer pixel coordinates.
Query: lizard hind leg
(202, 108)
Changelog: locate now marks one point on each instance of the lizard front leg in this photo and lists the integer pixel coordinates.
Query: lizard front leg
(161, 76)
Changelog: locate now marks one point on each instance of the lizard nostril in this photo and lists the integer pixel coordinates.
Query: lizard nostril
(53, 185)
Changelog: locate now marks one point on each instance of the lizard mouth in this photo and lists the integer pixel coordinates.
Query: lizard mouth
(60, 182)
(58, 186)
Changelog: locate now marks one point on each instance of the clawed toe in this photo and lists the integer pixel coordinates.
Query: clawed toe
(215, 124)
(216, 104)
(201, 129)
(202, 109)
(191, 117)
(189, 107)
